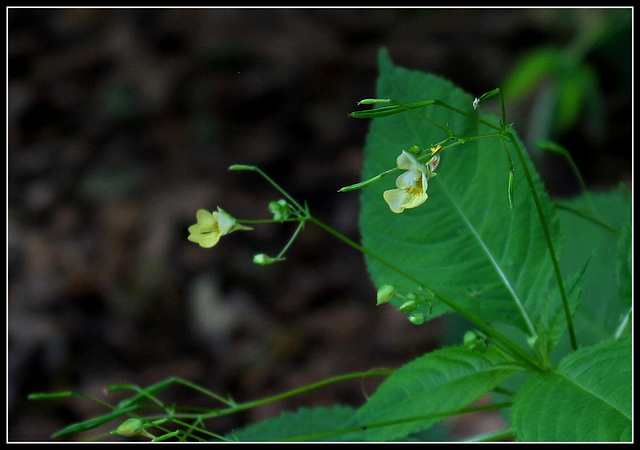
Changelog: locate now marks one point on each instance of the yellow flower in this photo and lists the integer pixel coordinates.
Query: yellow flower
(411, 186)
(211, 226)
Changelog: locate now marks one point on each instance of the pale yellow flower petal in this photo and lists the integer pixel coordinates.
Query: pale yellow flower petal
(205, 219)
(209, 240)
(407, 161)
(401, 199)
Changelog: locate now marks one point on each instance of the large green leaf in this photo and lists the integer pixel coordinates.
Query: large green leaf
(464, 242)
(419, 392)
(588, 398)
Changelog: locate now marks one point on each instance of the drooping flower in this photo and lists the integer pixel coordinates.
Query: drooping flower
(211, 226)
(412, 185)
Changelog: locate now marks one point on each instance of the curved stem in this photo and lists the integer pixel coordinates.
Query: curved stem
(301, 210)
(513, 349)
(243, 406)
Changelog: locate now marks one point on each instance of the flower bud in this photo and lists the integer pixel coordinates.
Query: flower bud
(264, 260)
(373, 101)
(415, 150)
(427, 294)
(475, 340)
(385, 294)
(416, 318)
(133, 427)
(408, 306)
(280, 209)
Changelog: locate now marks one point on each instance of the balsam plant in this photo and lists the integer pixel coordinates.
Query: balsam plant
(545, 286)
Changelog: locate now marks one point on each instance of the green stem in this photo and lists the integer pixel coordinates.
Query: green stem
(466, 114)
(293, 392)
(256, 169)
(493, 436)
(547, 236)
(588, 216)
(400, 107)
(513, 349)
(434, 416)
(293, 238)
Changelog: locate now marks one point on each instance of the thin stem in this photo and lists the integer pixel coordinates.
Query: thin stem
(466, 114)
(504, 112)
(547, 236)
(490, 331)
(293, 238)
(587, 216)
(494, 436)
(271, 182)
(399, 107)
(422, 116)
(162, 385)
(244, 406)
(263, 221)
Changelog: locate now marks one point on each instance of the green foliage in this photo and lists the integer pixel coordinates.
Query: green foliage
(485, 244)
(317, 424)
(424, 391)
(567, 84)
(415, 397)
(465, 241)
(586, 399)
(606, 287)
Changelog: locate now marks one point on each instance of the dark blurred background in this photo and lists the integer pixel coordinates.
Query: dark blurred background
(122, 124)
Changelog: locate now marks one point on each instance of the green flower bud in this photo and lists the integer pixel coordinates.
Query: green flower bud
(408, 306)
(265, 260)
(415, 150)
(385, 294)
(241, 167)
(133, 427)
(416, 318)
(411, 296)
(280, 209)
(475, 341)
(427, 294)
(373, 101)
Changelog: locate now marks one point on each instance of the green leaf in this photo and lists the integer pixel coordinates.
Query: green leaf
(552, 325)
(316, 424)
(573, 89)
(602, 306)
(465, 242)
(530, 70)
(424, 391)
(588, 398)
(624, 265)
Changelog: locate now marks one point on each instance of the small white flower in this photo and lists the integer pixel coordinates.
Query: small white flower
(475, 103)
